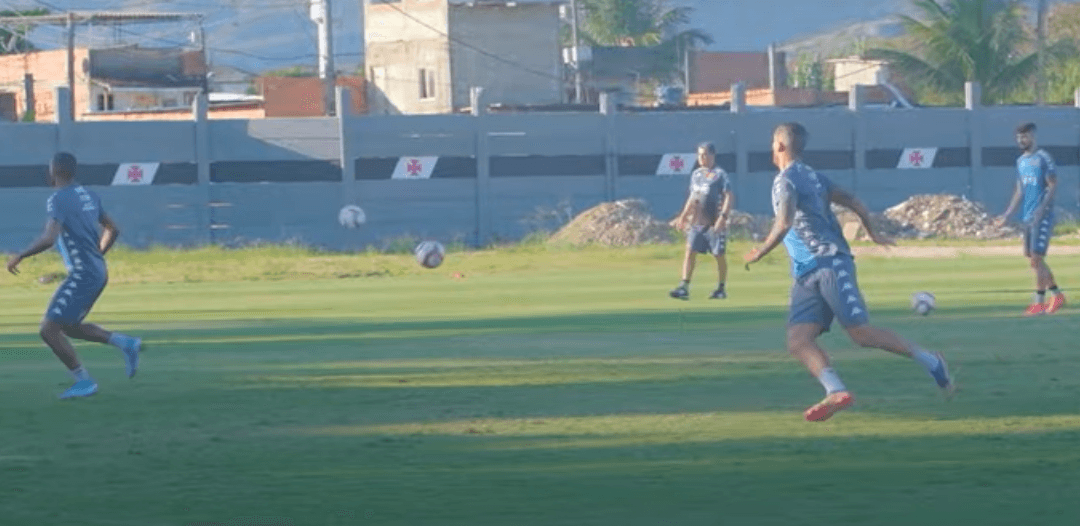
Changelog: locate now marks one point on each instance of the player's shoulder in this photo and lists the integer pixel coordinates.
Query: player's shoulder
(1044, 155)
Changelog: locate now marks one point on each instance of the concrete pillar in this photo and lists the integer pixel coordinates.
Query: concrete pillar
(856, 100)
(610, 111)
(973, 96)
(1076, 98)
(64, 122)
(343, 104)
(200, 109)
(483, 167)
(738, 98)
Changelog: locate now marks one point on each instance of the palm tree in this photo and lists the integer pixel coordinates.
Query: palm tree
(966, 40)
(642, 23)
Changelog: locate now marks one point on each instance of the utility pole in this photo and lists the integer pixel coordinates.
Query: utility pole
(71, 62)
(574, 52)
(1040, 29)
(322, 15)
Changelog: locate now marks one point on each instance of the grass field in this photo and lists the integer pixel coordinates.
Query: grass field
(531, 386)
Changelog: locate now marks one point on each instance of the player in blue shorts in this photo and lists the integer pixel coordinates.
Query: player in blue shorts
(1035, 185)
(74, 216)
(704, 218)
(824, 270)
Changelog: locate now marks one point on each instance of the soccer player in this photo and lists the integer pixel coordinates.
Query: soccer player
(1036, 184)
(704, 217)
(824, 270)
(74, 214)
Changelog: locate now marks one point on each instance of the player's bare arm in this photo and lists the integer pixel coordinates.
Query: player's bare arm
(725, 211)
(785, 218)
(848, 200)
(109, 233)
(1018, 194)
(44, 242)
(684, 215)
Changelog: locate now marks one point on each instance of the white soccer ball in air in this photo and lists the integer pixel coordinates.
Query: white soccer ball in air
(923, 302)
(351, 216)
(430, 254)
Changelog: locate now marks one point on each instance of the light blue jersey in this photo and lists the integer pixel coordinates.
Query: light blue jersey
(1033, 171)
(78, 211)
(815, 236)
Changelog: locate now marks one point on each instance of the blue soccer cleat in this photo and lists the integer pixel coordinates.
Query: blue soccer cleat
(942, 377)
(131, 356)
(81, 389)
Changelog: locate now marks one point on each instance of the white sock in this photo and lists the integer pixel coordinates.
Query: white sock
(929, 361)
(79, 374)
(831, 381)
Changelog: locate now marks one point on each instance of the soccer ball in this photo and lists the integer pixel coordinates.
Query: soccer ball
(923, 302)
(351, 216)
(430, 254)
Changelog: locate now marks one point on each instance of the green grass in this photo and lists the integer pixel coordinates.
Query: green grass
(531, 386)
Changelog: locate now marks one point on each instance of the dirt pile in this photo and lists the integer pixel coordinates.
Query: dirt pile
(948, 216)
(882, 223)
(617, 224)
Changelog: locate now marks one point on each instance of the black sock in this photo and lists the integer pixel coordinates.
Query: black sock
(1040, 296)
(1055, 290)
(720, 287)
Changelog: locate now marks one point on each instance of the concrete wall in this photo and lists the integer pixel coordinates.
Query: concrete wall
(492, 176)
(525, 35)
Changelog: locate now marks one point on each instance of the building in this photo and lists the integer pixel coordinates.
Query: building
(424, 56)
(106, 81)
(852, 71)
(303, 96)
(227, 79)
(716, 71)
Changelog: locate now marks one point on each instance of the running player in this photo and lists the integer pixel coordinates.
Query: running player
(74, 215)
(824, 270)
(704, 217)
(1036, 184)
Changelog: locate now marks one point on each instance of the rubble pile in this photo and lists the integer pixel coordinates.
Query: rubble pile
(616, 224)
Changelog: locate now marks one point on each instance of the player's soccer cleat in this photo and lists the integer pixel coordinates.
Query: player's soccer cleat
(718, 294)
(1056, 303)
(828, 407)
(942, 377)
(81, 389)
(680, 293)
(131, 356)
(1035, 309)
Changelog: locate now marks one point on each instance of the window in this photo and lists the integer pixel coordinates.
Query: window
(169, 103)
(427, 83)
(104, 102)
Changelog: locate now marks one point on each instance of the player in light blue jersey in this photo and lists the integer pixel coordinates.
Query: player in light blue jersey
(74, 216)
(825, 285)
(704, 218)
(1036, 185)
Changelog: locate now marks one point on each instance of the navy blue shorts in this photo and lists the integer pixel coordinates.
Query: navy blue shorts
(831, 290)
(74, 299)
(704, 240)
(1037, 237)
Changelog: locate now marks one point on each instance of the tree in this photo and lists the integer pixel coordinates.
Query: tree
(13, 38)
(642, 23)
(984, 41)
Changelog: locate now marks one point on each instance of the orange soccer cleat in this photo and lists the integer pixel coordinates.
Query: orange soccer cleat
(1056, 303)
(831, 405)
(1035, 309)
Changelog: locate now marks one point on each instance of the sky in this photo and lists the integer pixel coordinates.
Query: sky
(257, 35)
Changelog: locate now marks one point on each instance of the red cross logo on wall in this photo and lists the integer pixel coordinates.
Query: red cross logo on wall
(135, 174)
(414, 167)
(677, 164)
(916, 158)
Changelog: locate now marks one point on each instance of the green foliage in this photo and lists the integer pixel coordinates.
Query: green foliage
(808, 72)
(14, 41)
(642, 23)
(294, 71)
(986, 41)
